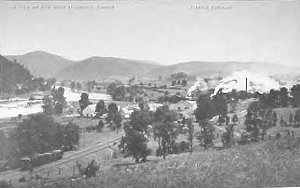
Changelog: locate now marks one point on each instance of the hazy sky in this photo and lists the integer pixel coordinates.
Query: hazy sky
(167, 33)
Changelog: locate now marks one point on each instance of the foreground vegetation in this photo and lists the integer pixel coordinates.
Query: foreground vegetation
(260, 164)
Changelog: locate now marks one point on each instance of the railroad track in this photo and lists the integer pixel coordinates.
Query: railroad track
(16, 174)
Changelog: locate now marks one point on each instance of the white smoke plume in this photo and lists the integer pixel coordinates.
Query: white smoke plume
(256, 82)
(199, 84)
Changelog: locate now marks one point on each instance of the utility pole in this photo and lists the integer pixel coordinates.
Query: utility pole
(246, 84)
(1, 75)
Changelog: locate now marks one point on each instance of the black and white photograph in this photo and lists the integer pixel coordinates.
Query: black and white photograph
(149, 93)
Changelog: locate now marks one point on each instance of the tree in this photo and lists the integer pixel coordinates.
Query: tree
(111, 88)
(220, 103)
(274, 118)
(281, 121)
(291, 119)
(234, 98)
(58, 100)
(295, 93)
(184, 82)
(164, 129)
(252, 124)
(207, 134)
(134, 143)
(235, 119)
(190, 133)
(71, 135)
(119, 93)
(221, 120)
(54, 104)
(3, 146)
(112, 111)
(100, 108)
(205, 110)
(40, 133)
(297, 117)
(84, 101)
(100, 126)
(284, 98)
(78, 86)
(72, 85)
(117, 119)
(273, 98)
(228, 137)
(48, 105)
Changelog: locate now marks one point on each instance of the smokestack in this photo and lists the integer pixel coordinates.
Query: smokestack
(246, 84)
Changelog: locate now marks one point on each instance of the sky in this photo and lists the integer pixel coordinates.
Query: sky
(166, 32)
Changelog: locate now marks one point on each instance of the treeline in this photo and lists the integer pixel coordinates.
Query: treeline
(16, 79)
(281, 98)
(121, 93)
(54, 103)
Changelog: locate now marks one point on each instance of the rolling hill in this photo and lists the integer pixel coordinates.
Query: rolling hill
(105, 68)
(207, 68)
(42, 64)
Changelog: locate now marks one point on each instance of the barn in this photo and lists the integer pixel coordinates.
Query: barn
(89, 111)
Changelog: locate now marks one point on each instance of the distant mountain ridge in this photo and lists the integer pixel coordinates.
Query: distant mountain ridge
(105, 68)
(48, 65)
(41, 64)
(222, 68)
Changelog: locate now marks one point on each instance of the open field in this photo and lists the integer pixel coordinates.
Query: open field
(260, 164)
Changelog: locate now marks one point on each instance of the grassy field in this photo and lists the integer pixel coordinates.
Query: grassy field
(259, 164)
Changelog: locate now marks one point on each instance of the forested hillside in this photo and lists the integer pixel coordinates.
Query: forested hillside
(16, 79)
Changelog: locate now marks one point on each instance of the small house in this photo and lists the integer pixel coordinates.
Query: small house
(89, 111)
(181, 105)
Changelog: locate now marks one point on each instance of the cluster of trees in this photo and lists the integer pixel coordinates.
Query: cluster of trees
(163, 123)
(121, 93)
(294, 120)
(16, 79)
(178, 76)
(259, 119)
(178, 82)
(137, 132)
(75, 85)
(281, 98)
(169, 98)
(90, 85)
(55, 102)
(39, 133)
